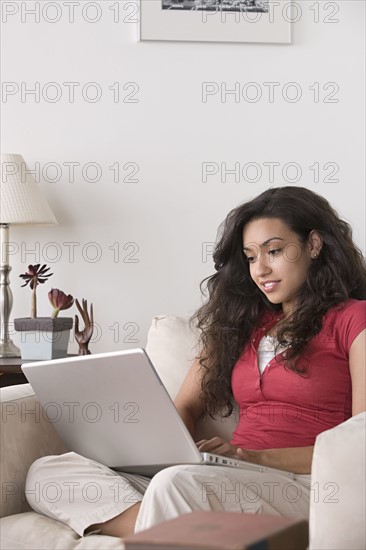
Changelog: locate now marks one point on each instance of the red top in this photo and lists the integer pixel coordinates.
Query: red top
(284, 409)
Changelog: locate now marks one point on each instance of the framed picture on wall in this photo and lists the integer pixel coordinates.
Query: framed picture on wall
(266, 21)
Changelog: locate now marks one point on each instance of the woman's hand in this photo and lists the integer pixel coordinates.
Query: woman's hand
(218, 446)
(292, 459)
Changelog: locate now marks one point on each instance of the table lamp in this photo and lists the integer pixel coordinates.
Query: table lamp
(21, 203)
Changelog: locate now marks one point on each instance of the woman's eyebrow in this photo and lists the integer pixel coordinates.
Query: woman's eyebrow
(265, 242)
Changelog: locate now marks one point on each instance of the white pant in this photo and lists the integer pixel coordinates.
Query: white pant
(81, 492)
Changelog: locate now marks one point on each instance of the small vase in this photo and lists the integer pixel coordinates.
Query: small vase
(44, 338)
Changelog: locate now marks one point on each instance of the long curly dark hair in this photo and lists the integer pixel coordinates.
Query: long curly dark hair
(236, 305)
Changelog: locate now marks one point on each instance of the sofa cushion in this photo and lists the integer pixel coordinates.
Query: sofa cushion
(338, 481)
(172, 345)
(25, 436)
(32, 531)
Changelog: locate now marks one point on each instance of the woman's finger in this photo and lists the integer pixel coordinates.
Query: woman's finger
(201, 442)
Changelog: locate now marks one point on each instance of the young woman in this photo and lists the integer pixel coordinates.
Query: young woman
(283, 334)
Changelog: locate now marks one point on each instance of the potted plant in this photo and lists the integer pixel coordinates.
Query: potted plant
(44, 337)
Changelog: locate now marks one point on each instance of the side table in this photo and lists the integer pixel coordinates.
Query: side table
(11, 372)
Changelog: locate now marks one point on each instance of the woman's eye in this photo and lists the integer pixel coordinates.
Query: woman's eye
(250, 259)
(274, 251)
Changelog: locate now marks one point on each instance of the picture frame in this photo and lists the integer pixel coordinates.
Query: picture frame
(246, 21)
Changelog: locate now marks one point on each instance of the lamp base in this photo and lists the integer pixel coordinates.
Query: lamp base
(8, 349)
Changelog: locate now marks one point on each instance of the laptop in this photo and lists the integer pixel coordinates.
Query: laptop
(113, 408)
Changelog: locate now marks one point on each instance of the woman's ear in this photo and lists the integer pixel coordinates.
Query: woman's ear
(315, 243)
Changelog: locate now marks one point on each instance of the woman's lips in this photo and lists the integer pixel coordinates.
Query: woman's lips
(269, 286)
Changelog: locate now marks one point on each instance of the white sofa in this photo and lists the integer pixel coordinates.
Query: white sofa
(337, 512)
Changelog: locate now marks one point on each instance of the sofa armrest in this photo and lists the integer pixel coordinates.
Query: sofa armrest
(337, 501)
(25, 436)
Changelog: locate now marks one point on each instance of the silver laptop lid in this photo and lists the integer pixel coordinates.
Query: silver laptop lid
(113, 408)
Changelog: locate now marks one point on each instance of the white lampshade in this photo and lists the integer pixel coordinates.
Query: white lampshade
(21, 200)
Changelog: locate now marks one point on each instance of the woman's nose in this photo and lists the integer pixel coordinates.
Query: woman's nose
(262, 266)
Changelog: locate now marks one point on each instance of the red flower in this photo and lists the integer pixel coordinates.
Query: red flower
(59, 300)
(36, 275)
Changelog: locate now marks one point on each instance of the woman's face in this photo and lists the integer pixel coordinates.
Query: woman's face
(278, 261)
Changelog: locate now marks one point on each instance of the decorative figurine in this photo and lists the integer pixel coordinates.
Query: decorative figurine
(83, 336)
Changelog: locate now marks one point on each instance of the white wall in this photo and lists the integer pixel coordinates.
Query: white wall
(169, 213)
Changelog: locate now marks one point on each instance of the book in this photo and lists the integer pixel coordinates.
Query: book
(223, 531)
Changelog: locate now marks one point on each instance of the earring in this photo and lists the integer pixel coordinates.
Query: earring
(315, 256)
